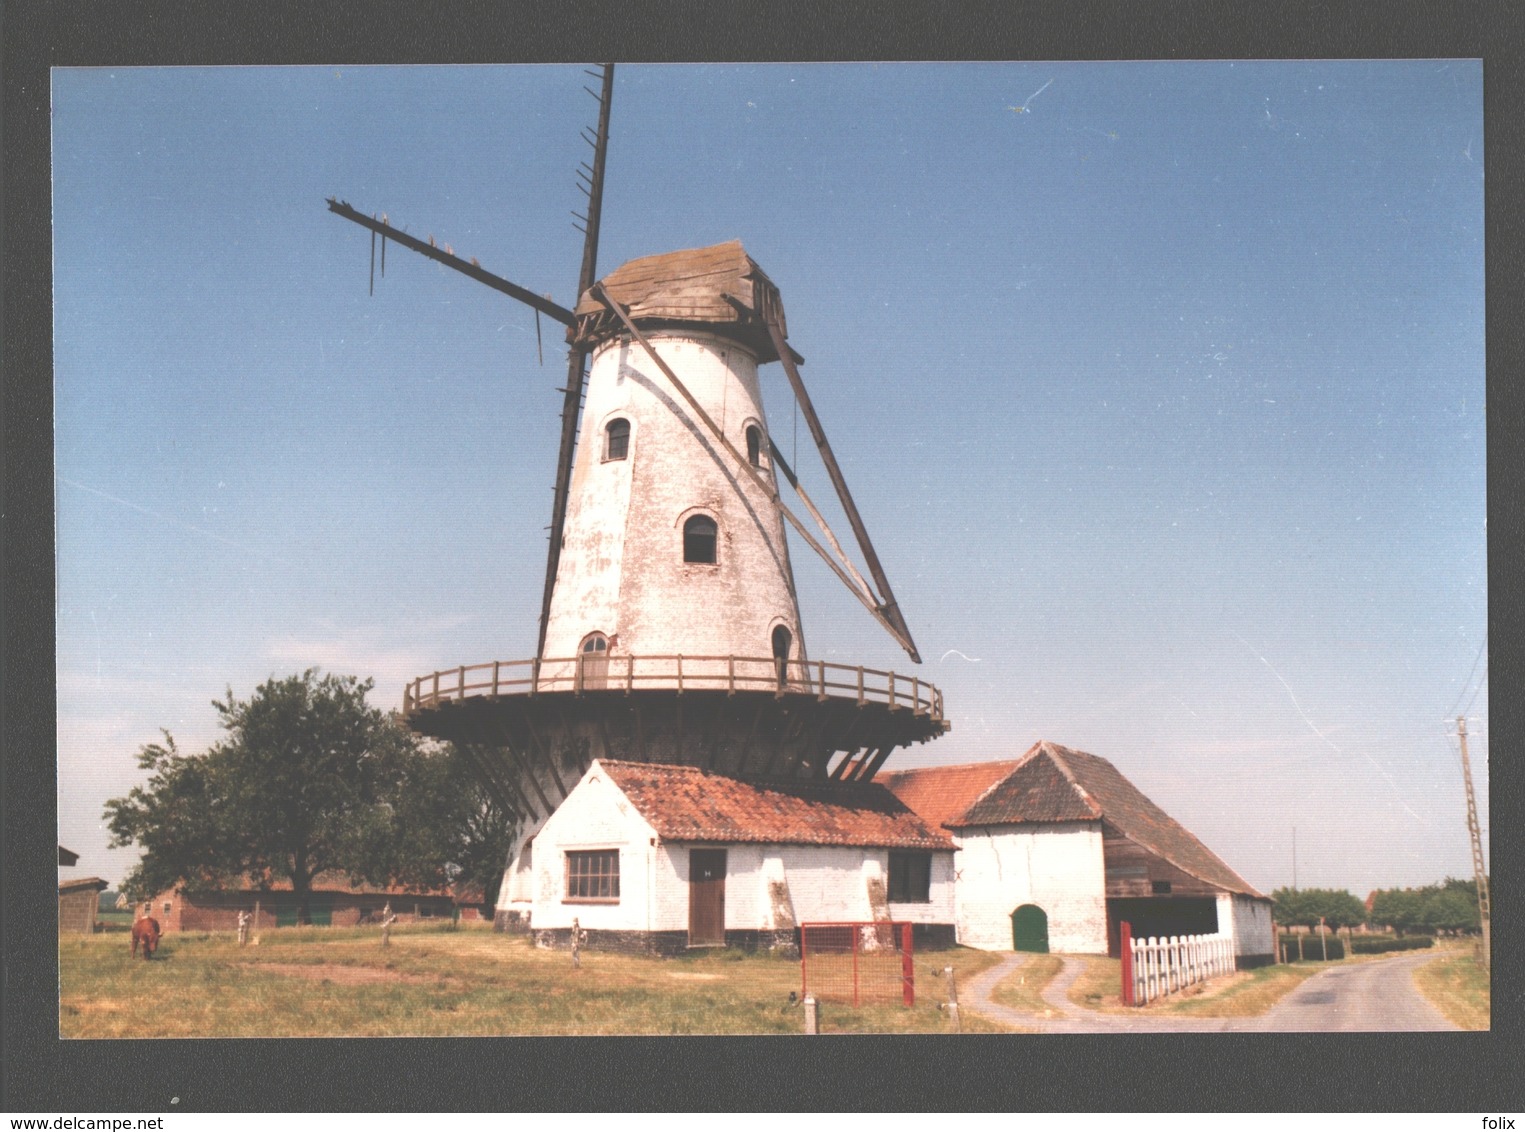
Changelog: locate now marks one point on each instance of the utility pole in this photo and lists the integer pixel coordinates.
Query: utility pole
(1483, 904)
(1294, 858)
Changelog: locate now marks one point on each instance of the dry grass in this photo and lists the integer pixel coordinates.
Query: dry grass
(1242, 994)
(1022, 990)
(438, 982)
(1457, 986)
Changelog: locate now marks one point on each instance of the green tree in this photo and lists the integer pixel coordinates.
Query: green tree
(1304, 907)
(1396, 908)
(311, 779)
(300, 785)
(447, 827)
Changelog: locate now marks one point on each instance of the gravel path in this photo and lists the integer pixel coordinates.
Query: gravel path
(1368, 996)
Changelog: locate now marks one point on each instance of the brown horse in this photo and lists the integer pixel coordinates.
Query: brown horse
(145, 930)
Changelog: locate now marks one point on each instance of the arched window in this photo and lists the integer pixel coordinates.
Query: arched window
(593, 664)
(754, 446)
(699, 537)
(783, 641)
(617, 439)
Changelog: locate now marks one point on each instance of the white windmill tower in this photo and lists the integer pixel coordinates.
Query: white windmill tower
(670, 629)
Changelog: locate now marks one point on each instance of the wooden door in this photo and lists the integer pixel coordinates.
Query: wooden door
(1029, 929)
(706, 897)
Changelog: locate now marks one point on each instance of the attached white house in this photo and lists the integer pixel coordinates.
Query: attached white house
(659, 858)
(1057, 848)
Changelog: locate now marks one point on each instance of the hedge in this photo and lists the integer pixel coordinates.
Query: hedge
(1376, 945)
(1313, 950)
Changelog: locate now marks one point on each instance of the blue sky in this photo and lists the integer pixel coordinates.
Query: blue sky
(1163, 400)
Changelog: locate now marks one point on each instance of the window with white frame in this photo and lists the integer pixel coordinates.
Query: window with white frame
(593, 876)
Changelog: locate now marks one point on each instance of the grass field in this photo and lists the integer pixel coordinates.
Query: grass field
(438, 981)
(1458, 987)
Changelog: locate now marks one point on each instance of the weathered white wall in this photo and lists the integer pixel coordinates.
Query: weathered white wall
(595, 815)
(767, 887)
(1249, 922)
(1057, 867)
(621, 569)
(819, 883)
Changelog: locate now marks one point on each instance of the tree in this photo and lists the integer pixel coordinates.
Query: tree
(448, 828)
(299, 786)
(1335, 906)
(1396, 908)
(311, 779)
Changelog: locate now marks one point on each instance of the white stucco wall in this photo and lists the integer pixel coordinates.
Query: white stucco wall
(1249, 921)
(1057, 867)
(822, 883)
(595, 815)
(621, 569)
(767, 887)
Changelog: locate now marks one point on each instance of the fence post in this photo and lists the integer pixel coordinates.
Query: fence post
(812, 1019)
(1125, 934)
(857, 938)
(907, 968)
(952, 999)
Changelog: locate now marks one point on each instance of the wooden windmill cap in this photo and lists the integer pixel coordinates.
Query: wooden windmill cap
(686, 289)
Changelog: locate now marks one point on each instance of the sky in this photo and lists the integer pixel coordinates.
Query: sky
(1160, 387)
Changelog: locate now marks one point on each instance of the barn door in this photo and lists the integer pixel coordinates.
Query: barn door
(706, 897)
(1029, 929)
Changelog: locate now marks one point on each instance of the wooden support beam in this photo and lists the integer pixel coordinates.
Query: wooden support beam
(847, 760)
(872, 768)
(480, 737)
(571, 406)
(478, 763)
(465, 267)
(545, 753)
(889, 608)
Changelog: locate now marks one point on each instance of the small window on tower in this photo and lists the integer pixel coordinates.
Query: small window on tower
(754, 446)
(699, 535)
(617, 439)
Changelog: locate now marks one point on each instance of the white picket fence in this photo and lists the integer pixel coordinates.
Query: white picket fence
(1165, 965)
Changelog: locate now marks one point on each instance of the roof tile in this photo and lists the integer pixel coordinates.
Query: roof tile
(689, 804)
(1052, 783)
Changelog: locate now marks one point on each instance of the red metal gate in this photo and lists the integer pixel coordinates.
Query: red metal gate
(858, 962)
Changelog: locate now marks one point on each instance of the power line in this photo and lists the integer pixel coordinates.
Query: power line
(1452, 713)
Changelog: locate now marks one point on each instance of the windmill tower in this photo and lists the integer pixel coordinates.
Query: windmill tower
(670, 630)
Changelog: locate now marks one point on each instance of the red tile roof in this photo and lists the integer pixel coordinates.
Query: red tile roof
(1054, 784)
(688, 804)
(941, 793)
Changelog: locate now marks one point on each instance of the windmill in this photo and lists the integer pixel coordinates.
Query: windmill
(669, 626)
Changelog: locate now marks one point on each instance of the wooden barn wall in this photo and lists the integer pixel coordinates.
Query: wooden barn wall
(1132, 870)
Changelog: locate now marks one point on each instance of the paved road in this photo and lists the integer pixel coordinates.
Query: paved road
(1361, 996)
(1379, 995)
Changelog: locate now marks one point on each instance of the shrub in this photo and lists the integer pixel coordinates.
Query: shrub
(1313, 950)
(1376, 945)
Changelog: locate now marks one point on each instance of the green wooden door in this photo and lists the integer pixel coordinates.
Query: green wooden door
(1029, 929)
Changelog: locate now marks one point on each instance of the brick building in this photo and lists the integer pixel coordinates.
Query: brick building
(333, 902)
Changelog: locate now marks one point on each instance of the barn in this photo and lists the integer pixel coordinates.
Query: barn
(659, 858)
(1057, 848)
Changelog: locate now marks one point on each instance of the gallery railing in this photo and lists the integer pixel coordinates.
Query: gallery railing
(626, 674)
